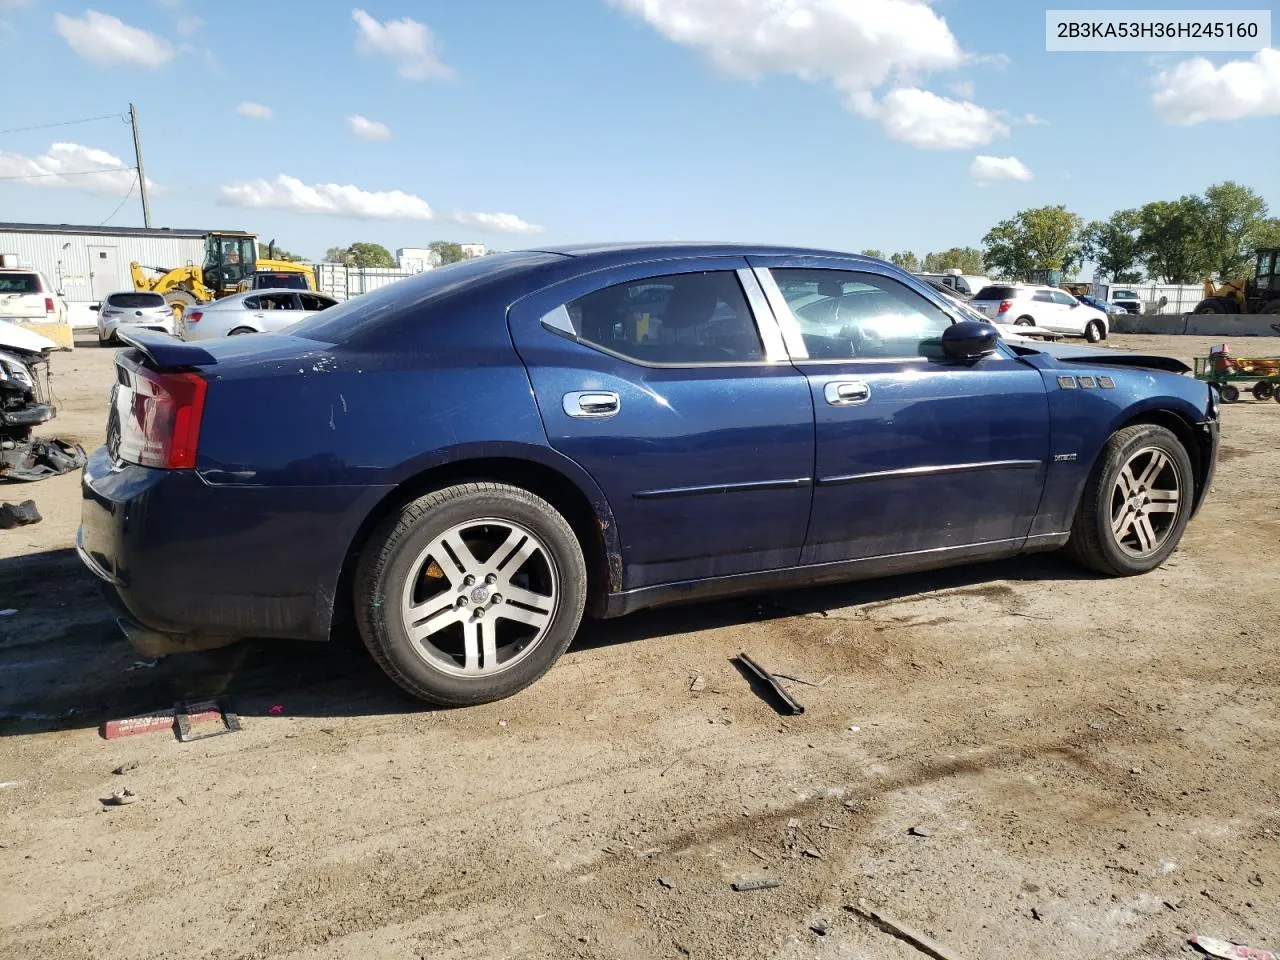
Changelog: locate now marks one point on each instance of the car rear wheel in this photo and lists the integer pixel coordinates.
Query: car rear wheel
(1136, 503)
(240, 331)
(1093, 332)
(1024, 322)
(469, 594)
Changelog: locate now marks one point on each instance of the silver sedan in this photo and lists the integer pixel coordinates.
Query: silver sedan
(258, 311)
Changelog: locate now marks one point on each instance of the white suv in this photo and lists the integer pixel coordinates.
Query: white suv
(26, 295)
(1027, 305)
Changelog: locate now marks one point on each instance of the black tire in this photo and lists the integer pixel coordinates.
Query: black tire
(1263, 390)
(180, 301)
(1272, 308)
(1228, 392)
(1213, 305)
(240, 331)
(1025, 322)
(1092, 543)
(1093, 332)
(388, 559)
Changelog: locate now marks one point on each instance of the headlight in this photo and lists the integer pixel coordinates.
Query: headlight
(15, 371)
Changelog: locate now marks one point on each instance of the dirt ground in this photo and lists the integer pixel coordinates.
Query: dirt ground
(1092, 765)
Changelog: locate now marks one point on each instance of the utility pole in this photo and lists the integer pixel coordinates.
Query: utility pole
(142, 177)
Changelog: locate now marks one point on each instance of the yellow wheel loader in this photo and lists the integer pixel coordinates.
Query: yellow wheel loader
(1257, 294)
(230, 264)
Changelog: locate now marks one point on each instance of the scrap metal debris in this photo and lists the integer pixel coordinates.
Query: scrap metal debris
(182, 719)
(786, 702)
(699, 684)
(18, 514)
(906, 934)
(746, 884)
(121, 798)
(39, 459)
(1230, 951)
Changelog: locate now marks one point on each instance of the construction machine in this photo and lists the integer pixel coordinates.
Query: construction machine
(1257, 294)
(230, 264)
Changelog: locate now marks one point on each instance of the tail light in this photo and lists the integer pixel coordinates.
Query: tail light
(48, 304)
(1005, 306)
(160, 419)
(193, 316)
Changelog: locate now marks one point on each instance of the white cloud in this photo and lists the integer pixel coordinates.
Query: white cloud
(1031, 120)
(336, 200)
(1195, 90)
(962, 89)
(986, 169)
(926, 120)
(255, 111)
(362, 128)
(190, 25)
(71, 166)
(407, 42)
(110, 41)
(496, 223)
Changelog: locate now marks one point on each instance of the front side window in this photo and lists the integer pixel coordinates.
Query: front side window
(846, 315)
(699, 318)
(1043, 296)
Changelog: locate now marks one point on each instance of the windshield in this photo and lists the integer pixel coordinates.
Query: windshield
(135, 301)
(19, 283)
(1124, 295)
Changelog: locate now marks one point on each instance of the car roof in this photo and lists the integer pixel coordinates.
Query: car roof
(237, 297)
(613, 253)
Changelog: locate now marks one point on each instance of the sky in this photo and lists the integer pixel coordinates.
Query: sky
(845, 124)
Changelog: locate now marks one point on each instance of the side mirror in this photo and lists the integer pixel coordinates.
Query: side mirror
(96, 307)
(969, 340)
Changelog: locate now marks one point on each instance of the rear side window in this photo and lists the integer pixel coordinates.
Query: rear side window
(20, 283)
(135, 301)
(996, 292)
(699, 318)
(312, 301)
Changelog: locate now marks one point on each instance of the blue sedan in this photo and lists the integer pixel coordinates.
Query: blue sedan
(466, 463)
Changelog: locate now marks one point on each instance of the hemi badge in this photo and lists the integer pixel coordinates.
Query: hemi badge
(1063, 457)
(1106, 383)
(1087, 382)
(1067, 383)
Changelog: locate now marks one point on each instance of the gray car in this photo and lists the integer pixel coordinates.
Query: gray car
(132, 309)
(257, 311)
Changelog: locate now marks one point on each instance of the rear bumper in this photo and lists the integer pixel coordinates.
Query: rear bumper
(161, 325)
(191, 559)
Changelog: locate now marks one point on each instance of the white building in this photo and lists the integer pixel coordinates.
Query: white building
(470, 250)
(87, 263)
(415, 259)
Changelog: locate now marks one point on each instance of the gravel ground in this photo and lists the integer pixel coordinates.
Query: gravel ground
(1089, 766)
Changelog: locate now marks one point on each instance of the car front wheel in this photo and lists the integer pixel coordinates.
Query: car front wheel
(1093, 332)
(470, 593)
(1136, 503)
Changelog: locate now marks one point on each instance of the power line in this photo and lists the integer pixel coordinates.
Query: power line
(65, 123)
(74, 173)
(133, 184)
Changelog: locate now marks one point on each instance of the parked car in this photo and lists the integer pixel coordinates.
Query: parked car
(132, 309)
(260, 311)
(1110, 309)
(1127, 299)
(26, 402)
(965, 284)
(27, 296)
(465, 463)
(1029, 305)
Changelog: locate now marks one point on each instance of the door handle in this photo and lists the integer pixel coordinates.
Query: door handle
(591, 404)
(845, 393)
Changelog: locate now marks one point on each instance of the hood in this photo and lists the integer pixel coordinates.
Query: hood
(12, 335)
(1070, 353)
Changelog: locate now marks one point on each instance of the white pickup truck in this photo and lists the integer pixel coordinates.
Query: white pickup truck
(27, 296)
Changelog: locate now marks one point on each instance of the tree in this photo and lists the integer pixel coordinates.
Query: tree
(280, 253)
(447, 251)
(1113, 245)
(1044, 238)
(873, 252)
(1171, 239)
(339, 255)
(1233, 216)
(370, 255)
(967, 260)
(906, 260)
(1268, 234)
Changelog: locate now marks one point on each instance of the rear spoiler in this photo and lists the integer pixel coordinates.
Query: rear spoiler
(166, 352)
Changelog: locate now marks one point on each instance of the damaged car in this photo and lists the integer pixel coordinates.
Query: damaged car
(26, 403)
(462, 465)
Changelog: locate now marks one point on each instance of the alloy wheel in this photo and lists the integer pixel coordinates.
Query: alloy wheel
(480, 597)
(1145, 502)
